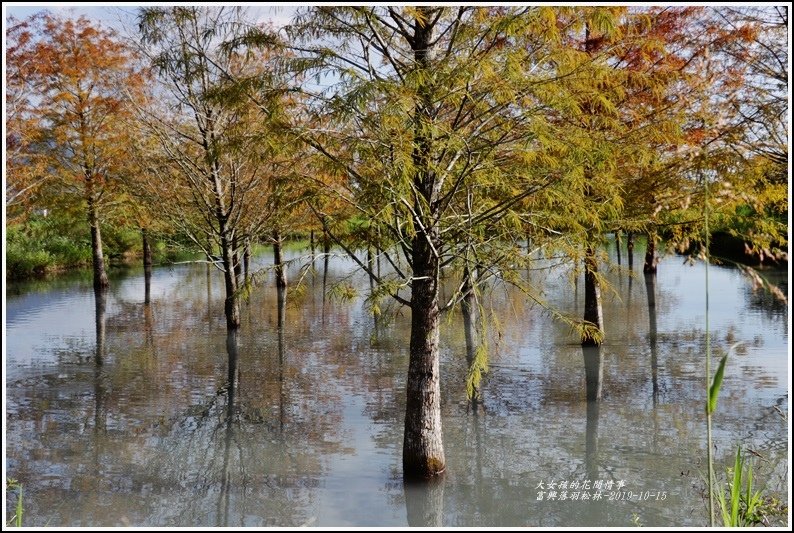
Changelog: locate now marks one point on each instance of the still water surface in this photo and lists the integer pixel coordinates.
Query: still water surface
(135, 416)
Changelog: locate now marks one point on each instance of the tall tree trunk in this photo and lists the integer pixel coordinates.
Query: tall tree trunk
(371, 268)
(238, 265)
(618, 245)
(281, 275)
(592, 294)
(246, 260)
(325, 277)
(468, 306)
(326, 259)
(326, 244)
(592, 291)
(576, 285)
(231, 304)
(147, 266)
(228, 239)
(100, 276)
(311, 241)
(630, 249)
(650, 254)
(423, 449)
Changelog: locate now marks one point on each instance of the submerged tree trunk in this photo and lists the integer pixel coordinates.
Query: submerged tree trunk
(147, 265)
(100, 304)
(281, 275)
(100, 409)
(630, 249)
(592, 295)
(98, 258)
(423, 449)
(650, 254)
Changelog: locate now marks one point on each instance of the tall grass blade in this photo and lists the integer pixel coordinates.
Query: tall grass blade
(748, 498)
(19, 509)
(736, 488)
(723, 505)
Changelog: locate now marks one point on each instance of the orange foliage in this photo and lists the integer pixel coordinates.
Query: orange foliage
(73, 82)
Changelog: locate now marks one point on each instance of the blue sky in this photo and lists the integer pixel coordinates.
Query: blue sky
(117, 16)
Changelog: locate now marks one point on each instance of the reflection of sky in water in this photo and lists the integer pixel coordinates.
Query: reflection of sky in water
(316, 431)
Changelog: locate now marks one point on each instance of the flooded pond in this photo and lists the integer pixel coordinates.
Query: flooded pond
(121, 413)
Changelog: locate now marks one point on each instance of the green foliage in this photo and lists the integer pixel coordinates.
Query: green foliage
(16, 519)
(752, 204)
(739, 504)
(43, 244)
(343, 291)
(174, 249)
(478, 367)
(118, 240)
(60, 241)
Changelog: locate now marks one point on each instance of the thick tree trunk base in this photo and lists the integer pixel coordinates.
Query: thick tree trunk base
(423, 448)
